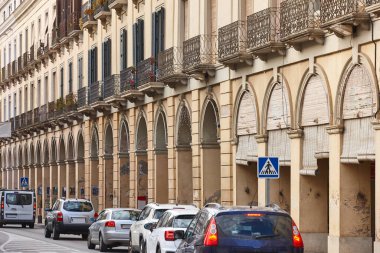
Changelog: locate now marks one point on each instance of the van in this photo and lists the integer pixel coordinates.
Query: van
(17, 207)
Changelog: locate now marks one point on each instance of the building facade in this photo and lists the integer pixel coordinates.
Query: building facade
(125, 102)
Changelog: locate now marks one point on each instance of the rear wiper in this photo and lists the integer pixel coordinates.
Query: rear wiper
(265, 236)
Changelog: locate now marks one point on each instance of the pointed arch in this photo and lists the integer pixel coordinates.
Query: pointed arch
(80, 146)
(53, 150)
(25, 155)
(210, 125)
(46, 152)
(124, 137)
(70, 147)
(38, 153)
(19, 156)
(183, 131)
(160, 133)
(62, 150)
(142, 133)
(108, 143)
(94, 142)
(31, 154)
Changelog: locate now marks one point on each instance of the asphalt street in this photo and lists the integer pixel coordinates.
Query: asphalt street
(15, 239)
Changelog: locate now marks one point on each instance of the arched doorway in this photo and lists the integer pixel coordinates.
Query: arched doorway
(124, 165)
(210, 151)
(32, 176)
(108, 168)
(62, 187)
(94, 170)
(38, 168)
(184, 157)
(70, 168)
(80, 166)
(142, 162)
(161, 180)
(54, 170)
(246, 150)
(46, 176)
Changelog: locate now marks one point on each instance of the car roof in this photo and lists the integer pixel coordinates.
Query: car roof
(80, 200)
(177, 212)
(170, 206)
(224, 209)
(121, 209)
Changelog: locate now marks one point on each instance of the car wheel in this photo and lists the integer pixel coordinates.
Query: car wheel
(84, 236)
(90, 245)
(47, 232)
(55, 233)
(102, 245)
(31, 225)
(1, 225)
(23, 225)
(142, 247)
(158, 250)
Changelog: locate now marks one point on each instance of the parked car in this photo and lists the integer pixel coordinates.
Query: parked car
(69, 216)
(241, 229)
(111, 228)
(162, 237)
(17, 207)
(150, 213)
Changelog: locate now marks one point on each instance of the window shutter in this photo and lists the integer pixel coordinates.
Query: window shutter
(103, 63)
(125, 47)
(141, 39)
(95, 64)
(162, 38)
(134, 27)
(154, 38)
(109, 58)
(122, 50)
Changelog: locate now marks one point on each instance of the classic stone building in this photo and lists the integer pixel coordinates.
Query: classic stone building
(129, 101)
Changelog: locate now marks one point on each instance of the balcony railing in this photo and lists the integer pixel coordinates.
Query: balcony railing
(23, 120)
(29, 118)
(263, 29)
(14, 68)
(54, 36)
(4, 74)
(83, 97)
(25, 60)
(62, 30)
(96, 92)
(12, 121)
(73, 22)
(59, 107)
(31, 54)
(199, 52)
(36, 115)
(127, 79)
(232, 40)
(17, 122)
(19, 64)
(102, 10)
(51, 110)
(111, 86)
(145, 71)
(170, 64)
(117, 4)
(43, 113)
(9, 69)
(337, 11)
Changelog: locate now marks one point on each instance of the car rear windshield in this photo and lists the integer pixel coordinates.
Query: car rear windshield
(19, 199)
(158, 213)
(254, 225)
(182, 221)
(125, 215)
(77, 206)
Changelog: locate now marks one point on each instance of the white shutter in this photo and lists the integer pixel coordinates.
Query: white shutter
(279, 145)
(315, 109)
(278, 108)
(358, 141)
(246, 149)
(246, 118)
(358, 95)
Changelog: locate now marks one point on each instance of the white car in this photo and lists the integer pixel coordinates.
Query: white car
(161, 240)
(150, 213)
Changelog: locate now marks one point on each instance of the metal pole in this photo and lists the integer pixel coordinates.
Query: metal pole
(267, 192)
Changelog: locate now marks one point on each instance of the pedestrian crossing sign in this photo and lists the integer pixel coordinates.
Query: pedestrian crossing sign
(24, 181)
(268, 167)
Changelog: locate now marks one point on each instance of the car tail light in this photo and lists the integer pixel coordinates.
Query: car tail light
(2, 204)
(34, 206)
(211, 238)
(254, 215)
(59, 217)
(169, 235)
(110, 224)
(96, 215)
(297, 238)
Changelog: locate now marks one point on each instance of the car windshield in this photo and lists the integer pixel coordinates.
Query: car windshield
(182, 221)
(77, 206)
(125, 215)
(254, 225)
(19, 199)
(158, 213)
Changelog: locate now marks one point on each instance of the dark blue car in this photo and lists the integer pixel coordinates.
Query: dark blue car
(217, 229)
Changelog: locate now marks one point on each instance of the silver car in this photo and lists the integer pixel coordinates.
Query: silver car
(111, 228)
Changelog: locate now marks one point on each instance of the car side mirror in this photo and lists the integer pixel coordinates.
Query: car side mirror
(179, 235)
(148, 226)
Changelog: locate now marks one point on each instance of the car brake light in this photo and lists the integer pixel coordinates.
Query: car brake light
(211, 238)
(2, 204)
(34, 205)
(96, 215)
(110, 224)
(297, 238)
(59, 217)
(254, 215)
(169, 235)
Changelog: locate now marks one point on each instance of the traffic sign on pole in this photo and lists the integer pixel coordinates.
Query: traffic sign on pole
(268, 167)
(24, 182)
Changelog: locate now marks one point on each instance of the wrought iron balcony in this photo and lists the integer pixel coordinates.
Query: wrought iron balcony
(373, 6)
(199, 55)
(12, 121)
(59, 107)
(51, 110)
(43, 113)
(102, 11)
(263, 30)
(112, 91)
(36, 116)
(54, 40)
(25, 60)
(170, 67)
(96, 97)
(128, 86)
(71, 104)
(13, 70)
(17, 123)
(29, 118)
(73, 28)
(232, 44)
(340, 16)
(9, 68)
(32, 55)
(23, 120)
(63, 35)
(117, 4)
(4, 75)
(19, 65)
(146, 78)
(300, 22)
(88, 20)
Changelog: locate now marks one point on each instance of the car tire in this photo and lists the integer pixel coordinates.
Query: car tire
(84, 237)
(142, 246)
(158, 249)
(102, 246)
(23, 225)
(47, 232)
(31, 225)
(1, 225)
(55, 233)
(90, 245)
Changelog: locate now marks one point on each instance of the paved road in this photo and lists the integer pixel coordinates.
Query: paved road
(14, 239)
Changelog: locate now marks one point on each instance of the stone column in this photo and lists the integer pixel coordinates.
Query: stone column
(171, 150)
(87, 162)
(46, 198)
(150, 154)
(377, 188)
(132, 157)
(262, 150)
(116, 162)
(70, 179)
(61, 179)
(196, 149)
(80, 179)
(53, 182)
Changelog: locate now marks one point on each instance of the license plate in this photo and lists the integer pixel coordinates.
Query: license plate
(11, 215)
(125, 226)
(78, 220)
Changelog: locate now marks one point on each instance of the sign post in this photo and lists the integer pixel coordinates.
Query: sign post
(268, 168)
